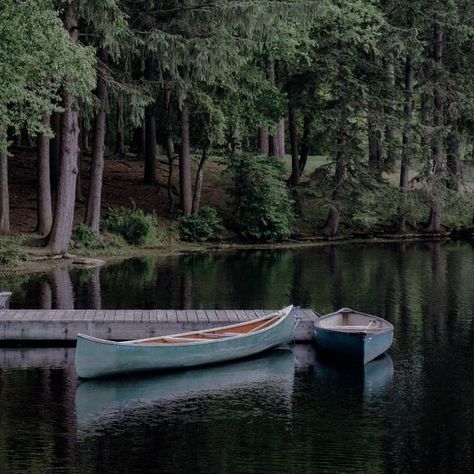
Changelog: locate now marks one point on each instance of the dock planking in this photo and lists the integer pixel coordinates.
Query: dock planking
(62, 325)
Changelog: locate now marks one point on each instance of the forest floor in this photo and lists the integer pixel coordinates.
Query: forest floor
(123, 183)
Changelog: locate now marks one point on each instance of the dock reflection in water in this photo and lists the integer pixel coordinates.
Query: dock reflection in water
(107, 400)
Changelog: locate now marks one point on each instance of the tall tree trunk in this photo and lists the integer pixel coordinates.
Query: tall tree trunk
(407, 136)
(120, 138)
(277, 141)
(63, 219)
(185, 186)
(390, 130)
(305, 142)
(4, 194)
(237, 140)
(97, 164)
(263, 141)
(150, 146)
(452, 158)
(150, 130)
(80, 156)
(280, 139)
(295, 164)
(200, 178)
(55, 149)
(44, 206)
(375, 144)
(332, 225)
(434, 222)
(85, 131)
(170, 150)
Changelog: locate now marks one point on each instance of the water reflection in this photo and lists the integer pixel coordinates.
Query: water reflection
(269, 376)
(371, 379)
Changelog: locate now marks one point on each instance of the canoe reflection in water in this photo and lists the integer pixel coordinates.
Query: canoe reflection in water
(374, 378)
(102, 400)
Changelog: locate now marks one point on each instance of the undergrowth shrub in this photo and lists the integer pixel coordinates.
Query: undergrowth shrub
(262, 209)
(136, 227)
(11, 252)
(84, 236)
(200, 227)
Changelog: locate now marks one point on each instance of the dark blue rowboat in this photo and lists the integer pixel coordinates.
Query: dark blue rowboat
(353, 336)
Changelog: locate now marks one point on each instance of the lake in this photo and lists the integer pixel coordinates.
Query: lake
(285, 411)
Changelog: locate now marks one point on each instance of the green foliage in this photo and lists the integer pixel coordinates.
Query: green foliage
(459, 211)
(11, 251)
(136, 227)
(203, 226)
(84, 236)
(36, 57)
(262, 210)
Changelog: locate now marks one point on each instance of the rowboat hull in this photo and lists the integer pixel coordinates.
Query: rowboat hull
(100, 358)
(357, 346)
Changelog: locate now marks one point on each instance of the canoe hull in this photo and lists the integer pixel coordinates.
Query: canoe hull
(96, 358)
(357, 347)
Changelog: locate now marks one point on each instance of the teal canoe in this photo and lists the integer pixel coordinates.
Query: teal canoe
(101, 358)
(353, 336)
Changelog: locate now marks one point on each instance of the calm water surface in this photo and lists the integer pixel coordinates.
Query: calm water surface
(285, 411)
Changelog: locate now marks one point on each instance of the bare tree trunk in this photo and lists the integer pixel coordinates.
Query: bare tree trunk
(263, 141)
(170, 150)
(305, 142)
(332, 225)
(185, 186)
(4, 195)
(407, 135)
(150, 130)
(277, 141)
(79, 194)
(452, 161)
(55, 149)
(63, 219)
(85, 131)
(390, 130)
(280, 139)
(295, 164)
(375, 144)
(434, 222)
(97, 164)
(44, 206)
(237, 140)
(150, 146)
(200, 178)
(120, 139)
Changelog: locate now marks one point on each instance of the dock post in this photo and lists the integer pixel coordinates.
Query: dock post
(4, 299)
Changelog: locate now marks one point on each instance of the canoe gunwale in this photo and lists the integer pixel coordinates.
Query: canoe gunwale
(282, 315)
(389, 328)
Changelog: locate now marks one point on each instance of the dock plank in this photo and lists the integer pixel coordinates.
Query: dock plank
(121, 324)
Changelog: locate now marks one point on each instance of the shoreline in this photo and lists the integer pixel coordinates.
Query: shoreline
(92, 258)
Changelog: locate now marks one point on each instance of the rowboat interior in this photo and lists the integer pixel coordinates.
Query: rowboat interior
(354, 322)
(212, 334)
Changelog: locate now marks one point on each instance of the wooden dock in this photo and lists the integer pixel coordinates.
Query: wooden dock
(122, 324)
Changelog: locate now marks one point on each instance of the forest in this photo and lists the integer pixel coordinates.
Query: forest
(135, 121)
